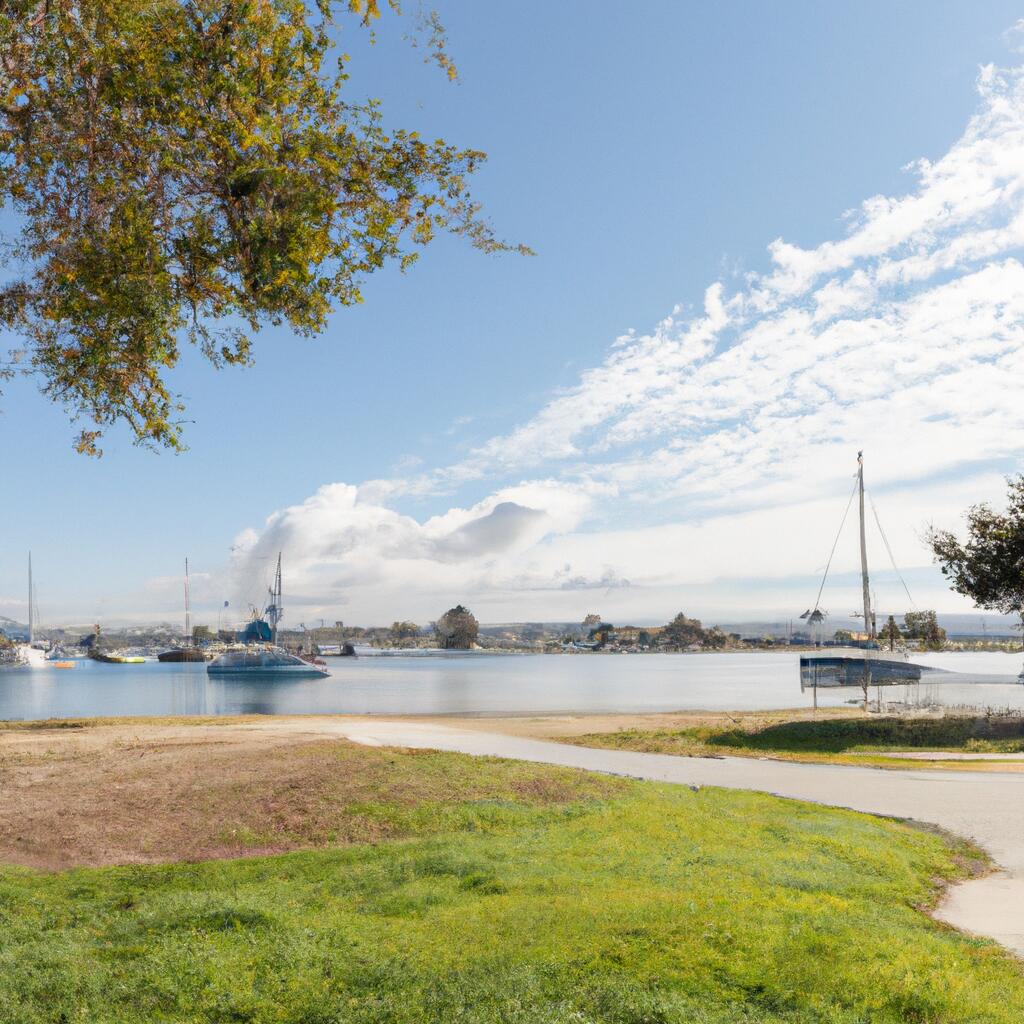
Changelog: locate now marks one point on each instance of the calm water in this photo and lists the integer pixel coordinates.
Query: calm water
(474, 684)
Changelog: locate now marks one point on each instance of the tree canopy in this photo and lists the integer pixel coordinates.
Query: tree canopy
(924, 626)
(190, 170)
(457, 629)
(404, 630)
(683, 632)
(988, 566)
(889, 634)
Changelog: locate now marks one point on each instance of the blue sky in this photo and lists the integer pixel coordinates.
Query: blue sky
(644, 156)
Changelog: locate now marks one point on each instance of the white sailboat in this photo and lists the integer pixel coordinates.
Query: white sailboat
(27, 655)
(865, 664)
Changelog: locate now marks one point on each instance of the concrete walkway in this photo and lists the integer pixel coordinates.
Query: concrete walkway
(986, 807)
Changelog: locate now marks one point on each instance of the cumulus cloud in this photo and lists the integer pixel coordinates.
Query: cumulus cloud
(337, 543)
(720, 443)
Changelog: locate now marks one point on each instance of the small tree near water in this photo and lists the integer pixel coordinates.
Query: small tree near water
(683, 632)
(457, 629)
(924, 626)
(988, 566)
(890, 634)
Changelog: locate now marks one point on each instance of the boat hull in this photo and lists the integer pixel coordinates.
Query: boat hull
(185, 654)
(849, 670)
(265, 663)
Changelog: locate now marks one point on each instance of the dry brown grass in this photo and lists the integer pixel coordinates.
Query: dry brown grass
(107, 795)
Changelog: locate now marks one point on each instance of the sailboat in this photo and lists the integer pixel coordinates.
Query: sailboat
(190, 652)
(862, 663)
(28, 653)
(257, 653)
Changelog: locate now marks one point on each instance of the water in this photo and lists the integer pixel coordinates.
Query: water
(475, 684)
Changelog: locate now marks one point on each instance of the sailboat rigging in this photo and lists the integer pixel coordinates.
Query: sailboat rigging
(860, 663)
(257, 652)
(189, 651)
(26, 655)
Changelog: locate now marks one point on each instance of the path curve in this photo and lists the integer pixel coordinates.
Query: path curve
(986, 807)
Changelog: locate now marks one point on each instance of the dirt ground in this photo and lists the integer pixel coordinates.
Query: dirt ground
(566, 726)
(131, 790)
(102, 791)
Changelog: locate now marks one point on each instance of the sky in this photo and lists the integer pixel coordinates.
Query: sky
(766, 236)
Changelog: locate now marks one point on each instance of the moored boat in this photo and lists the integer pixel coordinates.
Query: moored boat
(180, 654)
(257, 653)
(29, 655)
(262, 660)
(865, 664)
(189, 652)
(114, 658)
(856, 668)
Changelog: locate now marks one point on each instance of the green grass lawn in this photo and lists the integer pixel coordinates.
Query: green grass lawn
(828, 738)
(644, 904)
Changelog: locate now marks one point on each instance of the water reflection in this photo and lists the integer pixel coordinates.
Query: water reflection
(484, 684)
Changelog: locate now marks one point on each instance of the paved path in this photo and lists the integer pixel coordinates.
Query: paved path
(986, 807)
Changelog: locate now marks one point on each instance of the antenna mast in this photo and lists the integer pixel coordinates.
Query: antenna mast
(31, 616)
(868, 624)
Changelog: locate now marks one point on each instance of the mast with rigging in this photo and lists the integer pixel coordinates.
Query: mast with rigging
(188, 611)
(31, 602)
(274, 609)
(869, 624)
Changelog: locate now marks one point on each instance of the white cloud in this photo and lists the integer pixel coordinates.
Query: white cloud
(732, 432)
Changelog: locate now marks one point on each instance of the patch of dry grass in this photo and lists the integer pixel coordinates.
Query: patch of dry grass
(224, 795)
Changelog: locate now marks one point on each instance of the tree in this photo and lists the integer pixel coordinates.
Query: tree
(842, 636)
(404, 630)
(989, 566)
(890, 633)
(924, 626)
(715, 637)
(188, 171)
(682, 632)
(457, 629)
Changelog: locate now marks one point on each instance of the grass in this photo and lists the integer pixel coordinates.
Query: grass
(828, 739)
(632, 904)
(228, 794)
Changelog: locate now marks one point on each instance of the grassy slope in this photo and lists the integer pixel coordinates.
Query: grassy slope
(645, 904)
(231, 797)
(830, 739)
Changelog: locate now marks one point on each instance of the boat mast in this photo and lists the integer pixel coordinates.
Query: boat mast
(275, 618)
(31, 617)
(868, 624)
(188, 614)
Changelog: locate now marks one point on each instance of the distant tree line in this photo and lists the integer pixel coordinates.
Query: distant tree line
(682, 633)
(920, 625)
